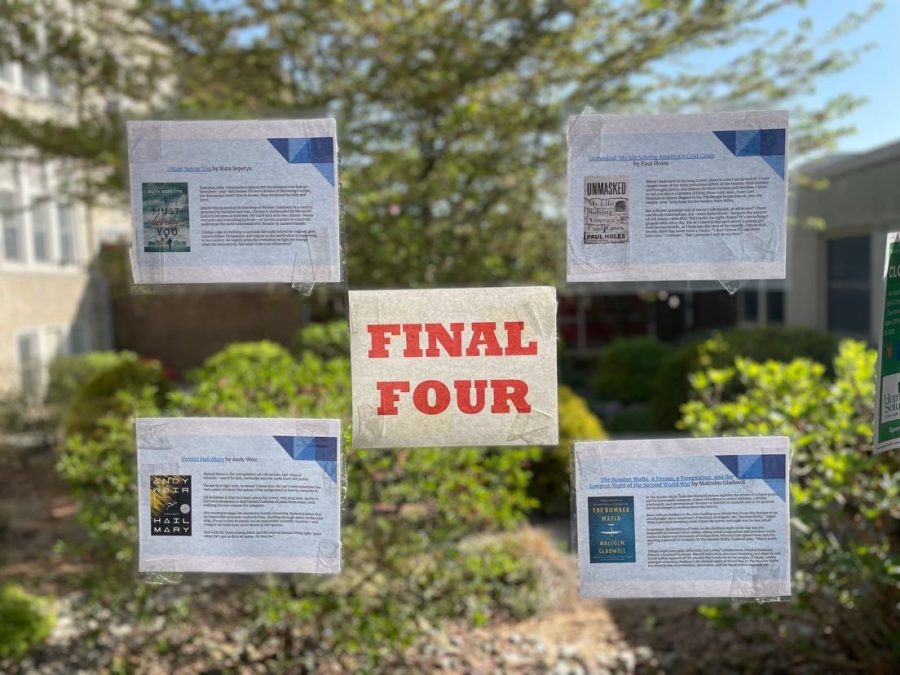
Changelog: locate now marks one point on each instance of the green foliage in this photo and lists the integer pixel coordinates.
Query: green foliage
(14, 412)
(639, 419)
(108, 391)
(26, 620)
(844, 498)
(672, 389)
(408, 523)
(325, 340)
(628, 368)
(549, 484)
(262, 379)
(100, 468)
(67, 374)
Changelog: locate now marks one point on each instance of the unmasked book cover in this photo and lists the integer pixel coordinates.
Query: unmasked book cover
(166, 217)
(611, 529)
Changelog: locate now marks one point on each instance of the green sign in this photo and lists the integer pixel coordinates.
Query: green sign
(887, 429)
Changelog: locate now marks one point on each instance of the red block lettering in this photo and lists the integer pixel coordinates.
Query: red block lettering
(413, 347)
(389, 396)
(464, 395)
(380, 333)
(484, 333)
(441, 397)
(509, 391)
(514, 340)
(452, 344)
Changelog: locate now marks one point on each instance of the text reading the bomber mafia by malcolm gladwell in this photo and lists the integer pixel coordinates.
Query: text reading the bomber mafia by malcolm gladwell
(451, 367)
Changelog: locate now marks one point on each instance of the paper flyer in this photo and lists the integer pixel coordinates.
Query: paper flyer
(234, 201)
(887, 410)
(239, 495)
(454, 367)
(683, 518)
(677, 197)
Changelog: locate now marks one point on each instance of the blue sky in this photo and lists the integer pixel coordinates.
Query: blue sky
(876, 76)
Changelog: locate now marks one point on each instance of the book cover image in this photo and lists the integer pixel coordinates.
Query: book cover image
(170, 506)
(611, 529)
(166, 217)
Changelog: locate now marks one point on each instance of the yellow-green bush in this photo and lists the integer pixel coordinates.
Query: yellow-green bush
(549, 484)
(26, 620)
(845, 500)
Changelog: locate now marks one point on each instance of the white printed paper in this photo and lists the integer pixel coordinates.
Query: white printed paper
(234, 201)
(454, 367)
(684, 518)
(239, 495)
(677, 197)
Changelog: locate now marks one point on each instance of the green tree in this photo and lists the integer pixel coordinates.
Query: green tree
(452, 115)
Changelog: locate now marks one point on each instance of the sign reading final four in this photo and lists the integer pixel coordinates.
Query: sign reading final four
(452, 367)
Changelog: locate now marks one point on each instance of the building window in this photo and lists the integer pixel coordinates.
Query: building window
(848, 285)
(751, 305)
(12, 233)
(65, 221)
(30, 80)
(7, 76)
(29, 364)
(774, 306)
(41, 231)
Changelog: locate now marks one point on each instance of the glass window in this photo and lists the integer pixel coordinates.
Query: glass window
(6, 72)
(41, 231)
(65, 221)
(849, 266)
(29, 364)
(774, 306)
(751, 305)
(12, 235)
(30, 80)
(55, 343)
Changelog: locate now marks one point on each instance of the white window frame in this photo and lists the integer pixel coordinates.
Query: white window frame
(40, 337)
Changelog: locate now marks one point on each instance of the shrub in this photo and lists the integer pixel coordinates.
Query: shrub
(101, 471)
(407, 522)
(14, 412)
(68, 374)
(637, 419)
(107, 392)
(325, 340)
(671, 388)
(628, 369)
(844, 498)
(26, 620)
(263, 379)
(549, 484)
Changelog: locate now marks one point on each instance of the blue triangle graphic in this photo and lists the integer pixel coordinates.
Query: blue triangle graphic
(330, 469)
(730, 461)
(778, 486)
(776, 162)
(327, 170)
(286, 442)
(727, 138)
(299, 151)
(747, 143)
(281, 145)
(750, 466)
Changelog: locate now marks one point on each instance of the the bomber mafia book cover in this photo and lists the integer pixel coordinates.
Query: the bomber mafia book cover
(611, 529)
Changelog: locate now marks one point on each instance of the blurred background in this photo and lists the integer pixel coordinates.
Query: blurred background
(452, 120)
